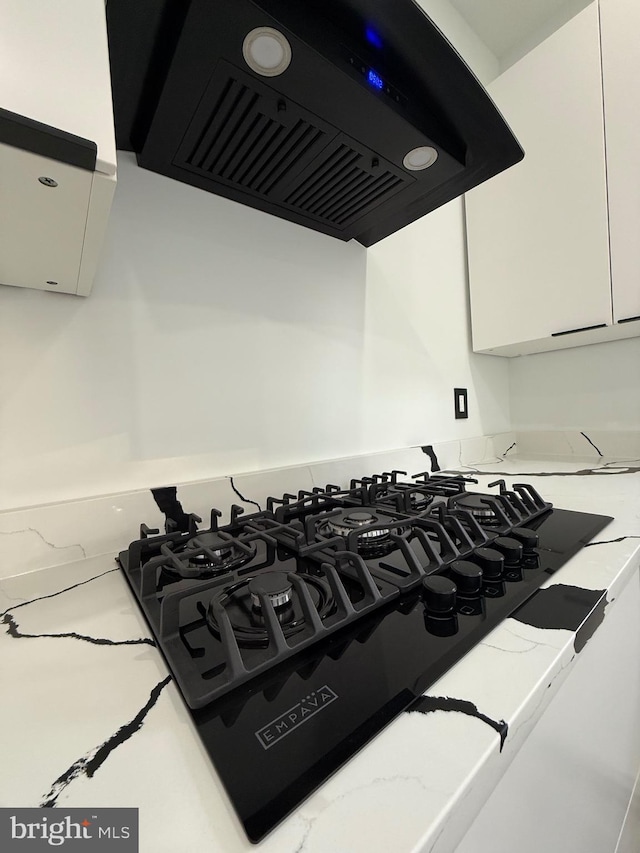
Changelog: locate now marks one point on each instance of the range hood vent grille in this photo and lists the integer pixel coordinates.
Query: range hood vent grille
(241, 143)
(246, 136)
(339, 191)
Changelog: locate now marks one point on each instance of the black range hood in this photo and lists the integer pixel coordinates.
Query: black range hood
(351, 117)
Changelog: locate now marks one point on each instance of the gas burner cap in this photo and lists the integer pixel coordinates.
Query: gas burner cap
(475, 504)
(360, 516)
(241, 602)
(205, 561)
(343, 525)
(208, 555)
(275, 585)
(419, 500)
(373, 530)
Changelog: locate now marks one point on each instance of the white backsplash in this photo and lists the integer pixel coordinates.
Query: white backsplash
(590, 444)
(57, 533)
(63, 532)
(592, 388)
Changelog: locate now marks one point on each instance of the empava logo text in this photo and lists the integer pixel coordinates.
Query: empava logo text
(27, 830)
(297, 715)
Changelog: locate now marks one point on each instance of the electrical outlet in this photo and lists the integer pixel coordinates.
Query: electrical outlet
(460, 403)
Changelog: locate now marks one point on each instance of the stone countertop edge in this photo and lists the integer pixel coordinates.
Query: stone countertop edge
(94, 720)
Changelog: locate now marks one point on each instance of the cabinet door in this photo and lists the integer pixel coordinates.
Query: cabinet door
(537, 233)
(620, 23)
(42, 228)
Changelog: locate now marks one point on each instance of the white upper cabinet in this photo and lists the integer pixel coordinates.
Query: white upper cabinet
(538, 234)
(57, 143)
(620, 25)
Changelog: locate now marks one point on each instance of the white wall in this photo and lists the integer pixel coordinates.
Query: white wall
(476, 54)
(559, 18)
(418, 338)
(586, 388)
(218, 339)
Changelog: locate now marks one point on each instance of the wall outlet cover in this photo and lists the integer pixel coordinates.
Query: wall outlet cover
(460, 406)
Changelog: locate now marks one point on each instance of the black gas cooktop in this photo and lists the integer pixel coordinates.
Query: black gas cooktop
(297, 633)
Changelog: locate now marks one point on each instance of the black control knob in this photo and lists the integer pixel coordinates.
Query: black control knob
(528, 538)
(439, 594)
(467, 576)
(511, 549)
(490, 561)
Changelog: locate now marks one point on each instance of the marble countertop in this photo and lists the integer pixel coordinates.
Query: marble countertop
(90, 716)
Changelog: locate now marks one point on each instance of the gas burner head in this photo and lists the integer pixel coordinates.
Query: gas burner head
(370, 540)
(204, 561)
(420, 501)
(243, 606)
(481, 511)
(276, 586)
(209, 555)
(350, 520)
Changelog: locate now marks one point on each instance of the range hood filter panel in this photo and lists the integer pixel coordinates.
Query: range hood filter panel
(245, 138)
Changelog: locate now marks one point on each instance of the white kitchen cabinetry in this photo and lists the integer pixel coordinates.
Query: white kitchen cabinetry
(538, 234)
(620, 25)
(569, 786)
(56, 122)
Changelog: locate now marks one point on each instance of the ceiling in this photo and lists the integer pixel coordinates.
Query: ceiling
(503, 25)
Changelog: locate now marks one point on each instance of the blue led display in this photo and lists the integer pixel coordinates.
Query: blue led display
(372, 37)
(375, 79)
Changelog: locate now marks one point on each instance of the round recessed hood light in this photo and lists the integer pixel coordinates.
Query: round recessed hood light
(420, 158)
(266, 51)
